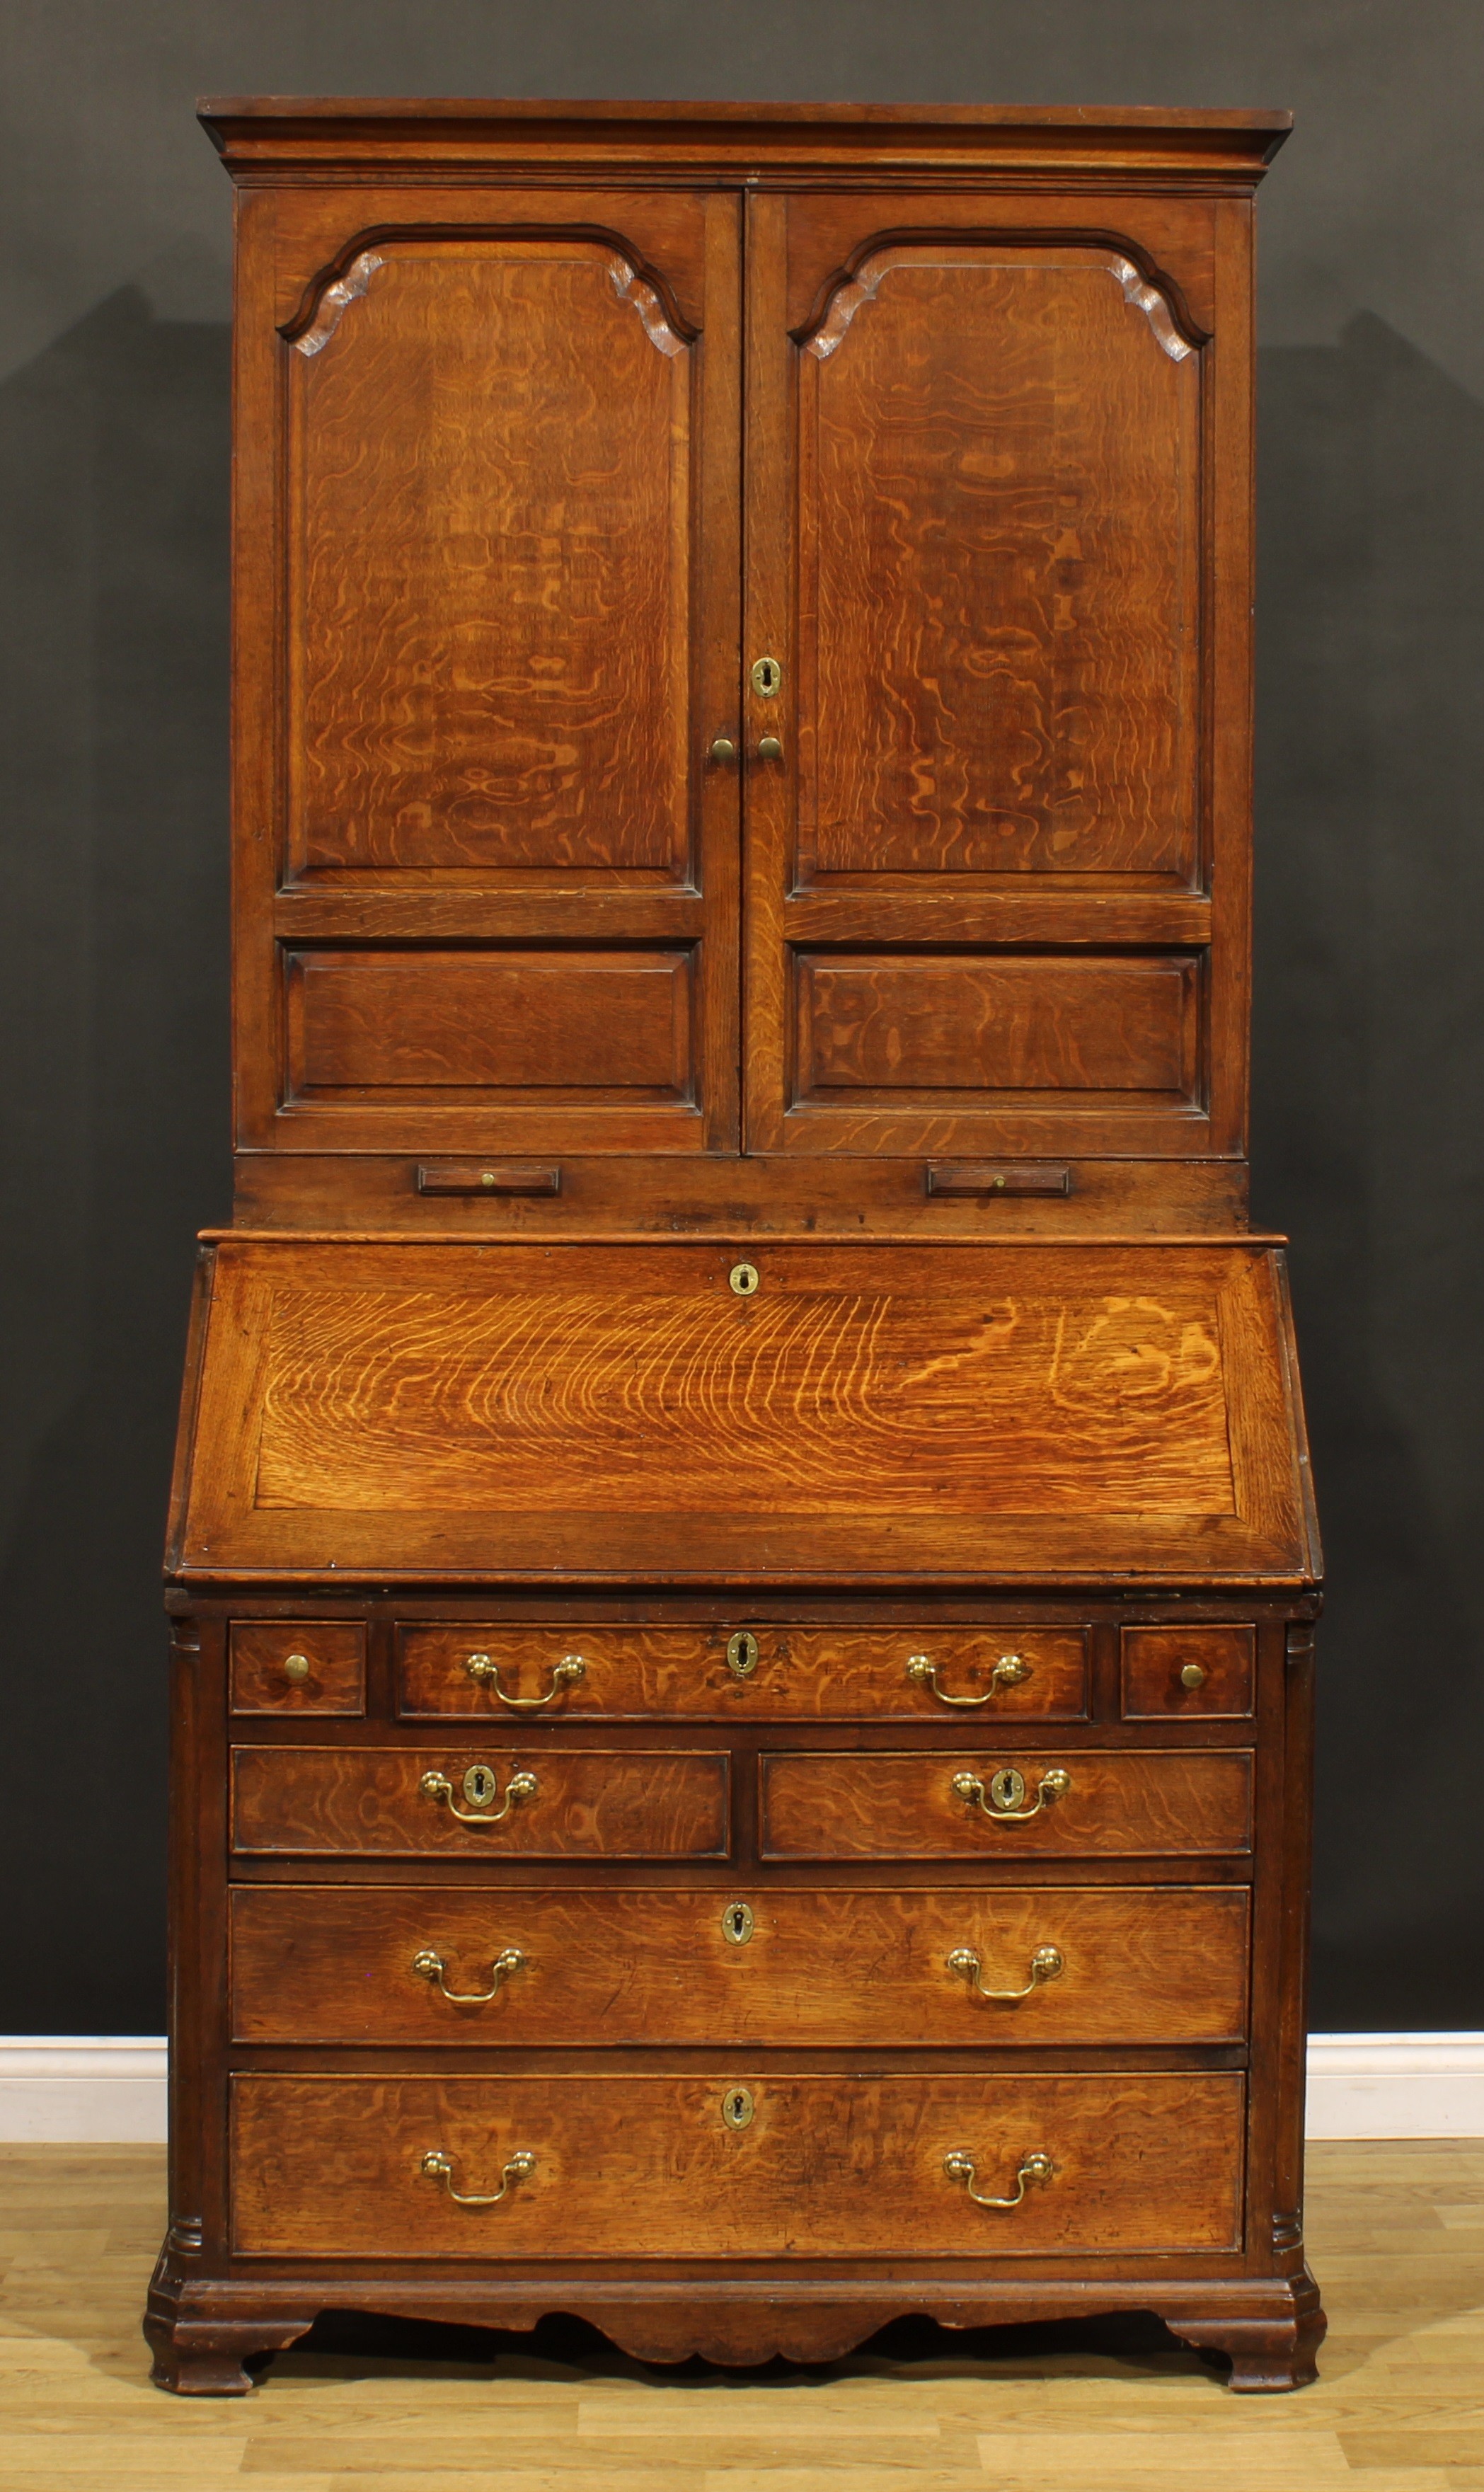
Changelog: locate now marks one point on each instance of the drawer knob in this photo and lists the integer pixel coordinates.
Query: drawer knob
(1010, 1671)
(1003, 1799)
(482, 1790)
(434, 1968)
(1036, 2166)
(296, 1666)
(1193, 1675)
(1046, 1965)
(485, 1671)
(439, 2166)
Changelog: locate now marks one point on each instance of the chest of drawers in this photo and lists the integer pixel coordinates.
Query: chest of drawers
(741, 1564)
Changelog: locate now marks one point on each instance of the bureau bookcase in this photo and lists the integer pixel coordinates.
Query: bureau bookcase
(741, 1564)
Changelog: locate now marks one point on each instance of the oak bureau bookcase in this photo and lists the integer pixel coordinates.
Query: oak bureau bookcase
(741, 1562)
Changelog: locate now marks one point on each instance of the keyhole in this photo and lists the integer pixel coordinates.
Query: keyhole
(738, 2107)
(742, 1653)
(737, 1924)
(744, 1279)
(479, 1787)
(1009, 1788)
(767, 675)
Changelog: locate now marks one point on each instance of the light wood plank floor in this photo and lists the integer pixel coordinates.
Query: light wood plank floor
(1397, 2235)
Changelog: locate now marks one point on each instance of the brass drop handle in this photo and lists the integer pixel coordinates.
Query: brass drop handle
(480, 1786)
(434, 1968)
(722, 749)
(769, 749)
(1002, 1802)
(1008, 1672)
(1046, 1965)
(485, 1671)
(1037, 2166)
(439, 2166)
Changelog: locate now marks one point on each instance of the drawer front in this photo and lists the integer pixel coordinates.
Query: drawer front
(1200, 1671)
(723, 1673)
(566, 1805)
(819, 1968)
(824, 2167)
(301, 1666)
(937, 1806)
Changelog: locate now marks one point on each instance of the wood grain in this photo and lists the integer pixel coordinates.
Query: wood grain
(588, 1805)
(824, 1967)
(489, 573)
(335, 1654)
(999, 517)
(1121, 1806)
(646, 2166)
(801, 1673)
(1153, 1658)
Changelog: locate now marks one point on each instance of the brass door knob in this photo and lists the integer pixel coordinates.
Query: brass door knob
(296, 1667)
(1193, 1675)
(722, 749)
(769, 749)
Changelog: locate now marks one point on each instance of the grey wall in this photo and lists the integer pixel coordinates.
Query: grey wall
(1369, 1123)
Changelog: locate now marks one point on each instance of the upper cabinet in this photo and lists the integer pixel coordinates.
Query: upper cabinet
(739, 664)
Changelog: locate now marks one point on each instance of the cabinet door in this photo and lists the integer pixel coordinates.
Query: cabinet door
(495, 435)
(986, 490)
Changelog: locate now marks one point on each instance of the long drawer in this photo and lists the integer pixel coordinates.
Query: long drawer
(955, 1805)
(739, 2164)
(569, 1804)
(820, 1966)
(765, 1672)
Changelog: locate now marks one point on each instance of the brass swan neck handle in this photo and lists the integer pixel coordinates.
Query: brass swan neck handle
(434, 1968)
(485, 1671)
(1036, 2166)
(1002, 1800)
(439, 2166)
(481, 1789)
(1046, 1965)
(1010, 1671)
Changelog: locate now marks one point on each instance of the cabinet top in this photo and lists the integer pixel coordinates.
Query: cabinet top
(284, 133)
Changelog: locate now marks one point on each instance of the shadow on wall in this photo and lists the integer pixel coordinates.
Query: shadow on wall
(1369, 1126)
(113, 499)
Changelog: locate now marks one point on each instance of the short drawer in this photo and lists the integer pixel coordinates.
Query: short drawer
(298, 1666)
(799, 1967)
(1198, 1671)
(734, 1674)
(738, 2164)
(978, 1804)
(485, 1801)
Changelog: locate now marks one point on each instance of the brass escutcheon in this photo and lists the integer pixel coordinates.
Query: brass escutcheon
(767, 676)
(1002, 1801)
(1007, 1789)
(744, 1279)
(737, 1924)
(742, 1650)
(480, 1786)
(480, 1790)
(738, 2107)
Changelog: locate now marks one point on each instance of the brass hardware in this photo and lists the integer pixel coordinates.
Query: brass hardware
(769, 749)
(439, 2166)
(737, 1924)
(1193, 1675)
(744, 1279)
(1003, 1802)
(434, 1968)
(1045, 1966)
(1008, 1672)
(767, 675)
(296, 1666)
(1036, 2166)
(722, 749)
(480, 1790)
(742, 1649)
(485, 1672)
(738, 2107)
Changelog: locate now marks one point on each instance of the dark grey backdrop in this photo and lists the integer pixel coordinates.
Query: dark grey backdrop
(1369, 1124)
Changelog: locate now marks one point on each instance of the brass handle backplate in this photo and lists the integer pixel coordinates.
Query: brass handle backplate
(439, 2166)
(434, 1968)
(484, 1669)
(1036, 2166)
(1046, 1965)
(481, 1790)
(1002, 1801)
(1010, 1671)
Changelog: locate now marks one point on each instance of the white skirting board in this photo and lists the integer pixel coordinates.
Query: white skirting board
(109, 2089)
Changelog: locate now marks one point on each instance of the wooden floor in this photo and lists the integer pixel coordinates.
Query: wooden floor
(1397, 2235)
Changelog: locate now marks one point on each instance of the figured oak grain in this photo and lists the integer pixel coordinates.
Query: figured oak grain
(489, 565)
(823, 1968)
(1121, 1805)
(801, 1673)
(646, 2167)
(335, 1681)
(350, 1800)
(1153, 1659)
